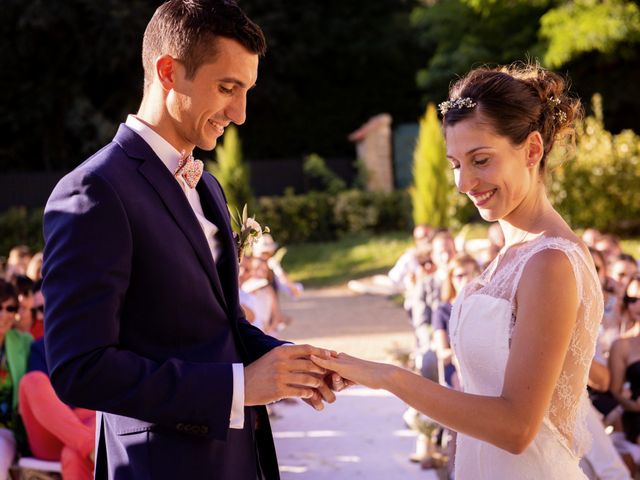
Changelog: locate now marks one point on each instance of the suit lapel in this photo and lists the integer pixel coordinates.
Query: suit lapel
(174, 200)
(215, 209)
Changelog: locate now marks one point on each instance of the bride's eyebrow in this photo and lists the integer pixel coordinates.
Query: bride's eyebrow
(472, 151)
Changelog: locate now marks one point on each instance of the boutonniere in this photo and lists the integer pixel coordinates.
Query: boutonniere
(247, 230)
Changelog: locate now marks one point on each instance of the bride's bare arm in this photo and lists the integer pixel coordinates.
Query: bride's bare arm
(546, 315)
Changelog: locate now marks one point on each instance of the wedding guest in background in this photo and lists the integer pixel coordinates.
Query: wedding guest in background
(14, 352)
(496, 242)
(37, 312)
(25, 289)
(399, 279)
(55, 431)
(611, 325)
(443, 249)
(408, 262)
(609, 245)
(462, 269)
(267, 249)
(622, 270)
(34, 268)
(624, 364)
(590, 236)
(601, 461)
(425, 297)
(19, 257)
(259, 306)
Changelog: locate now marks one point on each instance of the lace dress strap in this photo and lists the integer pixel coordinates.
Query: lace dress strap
(573, 251)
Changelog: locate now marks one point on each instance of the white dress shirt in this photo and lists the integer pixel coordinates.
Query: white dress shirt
(171, 158)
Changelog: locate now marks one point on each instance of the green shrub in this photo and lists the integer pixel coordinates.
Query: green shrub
(324, 179)
(21, 226)
(319, 216)
(600, 187)
(298, 218)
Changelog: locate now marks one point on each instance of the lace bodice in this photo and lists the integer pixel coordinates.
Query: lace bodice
(482, 323)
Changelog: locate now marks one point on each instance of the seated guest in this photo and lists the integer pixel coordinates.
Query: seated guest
(624, 364)
(19, 257)
(14, 351)
(34, 268)
(611, 326)
(590, 237)
(268, 315)
(495, 238)
(462, 268)
(24, 287)
(400, 277)
(55, 431)
(622, 269)
(37, 312)
(266, 249)
(610, 247)
(601, 461)
(609, 331)
(408, 263)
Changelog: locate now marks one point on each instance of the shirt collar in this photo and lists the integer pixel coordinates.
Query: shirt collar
(163, 149)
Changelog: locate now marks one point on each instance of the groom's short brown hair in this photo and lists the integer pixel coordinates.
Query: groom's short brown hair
(187, 30)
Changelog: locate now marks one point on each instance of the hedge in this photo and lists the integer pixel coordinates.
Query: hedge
(318, 216)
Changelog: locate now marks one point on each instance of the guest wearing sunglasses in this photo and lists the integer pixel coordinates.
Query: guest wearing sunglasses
(14, 352)
(37, 312)
(624, 364)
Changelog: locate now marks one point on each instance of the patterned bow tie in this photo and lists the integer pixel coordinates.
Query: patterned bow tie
(189, 169)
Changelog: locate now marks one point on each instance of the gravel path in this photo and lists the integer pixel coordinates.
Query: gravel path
(362, 435)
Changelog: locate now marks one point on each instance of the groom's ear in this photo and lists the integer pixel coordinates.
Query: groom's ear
(166, 71)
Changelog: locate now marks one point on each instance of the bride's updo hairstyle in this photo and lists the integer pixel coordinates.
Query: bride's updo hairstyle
(515, 100)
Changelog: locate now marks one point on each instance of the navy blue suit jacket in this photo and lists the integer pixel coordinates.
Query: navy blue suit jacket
(142, 325)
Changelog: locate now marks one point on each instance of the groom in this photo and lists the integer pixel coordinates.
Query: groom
(141, 278)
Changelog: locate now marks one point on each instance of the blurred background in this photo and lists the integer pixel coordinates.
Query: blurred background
(330, 147)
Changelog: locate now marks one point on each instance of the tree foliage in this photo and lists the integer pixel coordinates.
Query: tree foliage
(600, 186)
(232, 172)
(595, 42)
(431, 188)
(582, 26)
(71, 74)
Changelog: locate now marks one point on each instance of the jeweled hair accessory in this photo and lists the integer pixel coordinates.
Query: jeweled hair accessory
(558, 115)
(462, 102)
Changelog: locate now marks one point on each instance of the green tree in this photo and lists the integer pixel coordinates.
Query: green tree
(319, 172)
(594, 42)
(431, 188)
(582, 26)
(232, 172)
(599, 186)
(460, 34)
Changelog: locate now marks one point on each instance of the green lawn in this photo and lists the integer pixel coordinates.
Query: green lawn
(333, 263)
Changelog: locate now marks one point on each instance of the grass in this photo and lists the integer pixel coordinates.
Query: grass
(333, 263)
(631, 246)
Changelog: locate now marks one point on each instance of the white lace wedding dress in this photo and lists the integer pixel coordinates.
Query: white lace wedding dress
(482, 321)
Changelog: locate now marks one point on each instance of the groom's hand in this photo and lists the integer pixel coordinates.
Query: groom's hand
(284, 372)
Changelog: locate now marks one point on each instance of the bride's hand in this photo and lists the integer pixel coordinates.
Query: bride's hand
(355, 370)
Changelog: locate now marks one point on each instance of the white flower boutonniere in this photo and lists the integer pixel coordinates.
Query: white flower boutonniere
(247, 230)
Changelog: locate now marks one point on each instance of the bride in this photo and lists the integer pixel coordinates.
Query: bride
(523, 332)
